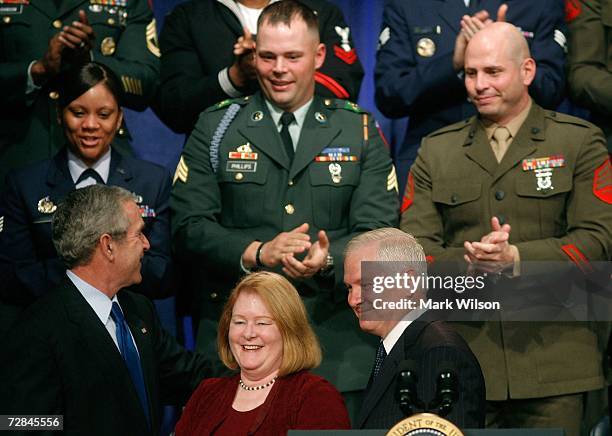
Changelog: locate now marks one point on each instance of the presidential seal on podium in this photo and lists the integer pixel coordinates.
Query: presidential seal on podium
(425, 424)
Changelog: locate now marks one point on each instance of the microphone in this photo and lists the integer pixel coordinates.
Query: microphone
(407, 395)
(446, 390)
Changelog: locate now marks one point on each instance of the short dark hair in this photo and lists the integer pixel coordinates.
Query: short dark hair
(285, 11)
(77, 80)
(84, 216)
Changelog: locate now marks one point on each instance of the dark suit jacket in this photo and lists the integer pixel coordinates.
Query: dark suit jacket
(60, 359)
(430, 344)
(29, 265)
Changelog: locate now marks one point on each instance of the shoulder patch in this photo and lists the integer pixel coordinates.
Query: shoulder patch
(336, 103)
(225, 103)
(453, 127)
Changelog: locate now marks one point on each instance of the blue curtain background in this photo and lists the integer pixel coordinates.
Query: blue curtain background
(154, 142)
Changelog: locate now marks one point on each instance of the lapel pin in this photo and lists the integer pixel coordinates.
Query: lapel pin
(257, 116)
(143, 330)
(321, 118)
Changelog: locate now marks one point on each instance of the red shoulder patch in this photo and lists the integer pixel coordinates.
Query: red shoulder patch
(408, 194)
(348, 57)
(572, 9)
(602, 182)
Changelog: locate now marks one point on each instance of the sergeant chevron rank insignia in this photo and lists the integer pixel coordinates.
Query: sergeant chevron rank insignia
(182, 171)
(151, 36)
(392, 180)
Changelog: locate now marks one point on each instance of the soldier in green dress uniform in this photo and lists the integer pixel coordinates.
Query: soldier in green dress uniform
(282, 180)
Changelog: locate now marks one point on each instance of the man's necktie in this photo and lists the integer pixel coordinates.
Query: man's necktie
(286, 119)
(501, 135)
(130, 356)
(89, 172)
(381, 353)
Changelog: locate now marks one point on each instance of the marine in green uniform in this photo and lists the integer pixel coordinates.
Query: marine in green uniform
(548, 187)
(40, 38)
(241, 202)
(590, 59)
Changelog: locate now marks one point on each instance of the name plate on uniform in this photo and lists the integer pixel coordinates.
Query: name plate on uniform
(241, 166)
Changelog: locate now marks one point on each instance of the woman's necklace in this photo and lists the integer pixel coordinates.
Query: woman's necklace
(256, 388)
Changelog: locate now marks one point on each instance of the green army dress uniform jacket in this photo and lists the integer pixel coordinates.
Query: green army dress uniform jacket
(590, 60)
(341, 181)
(457, 185)
(125, 41)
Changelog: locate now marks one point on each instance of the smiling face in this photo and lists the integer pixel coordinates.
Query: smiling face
(90, 123)
(498, 73)
(131, 248)
(254, 338)
(358, 299)
(286, 60)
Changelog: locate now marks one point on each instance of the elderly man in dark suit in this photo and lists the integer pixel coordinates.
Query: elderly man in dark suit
(90, 351)
(413, 336)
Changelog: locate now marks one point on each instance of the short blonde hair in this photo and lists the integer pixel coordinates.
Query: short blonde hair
(301, 349)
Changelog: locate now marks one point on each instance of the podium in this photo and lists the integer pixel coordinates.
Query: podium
(468, 432)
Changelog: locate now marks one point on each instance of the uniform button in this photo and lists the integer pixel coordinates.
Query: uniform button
(289, 209)
(499, 195)
(290, 183)
(535, 130)
(471, 135)
(214, 295)
(238, 176)
(6, 19)
(111, 21)
(502, 219)
(454, 198)
(53, 95)
(57, 24)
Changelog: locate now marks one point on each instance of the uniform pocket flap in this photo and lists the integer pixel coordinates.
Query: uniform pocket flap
(334, 174)
(532, 187)
(455, 192)
(242, 172)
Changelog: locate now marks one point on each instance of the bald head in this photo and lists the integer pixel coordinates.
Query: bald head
(502, 37)
(498, 72)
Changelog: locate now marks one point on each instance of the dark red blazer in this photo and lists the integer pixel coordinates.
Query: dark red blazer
(297, 401)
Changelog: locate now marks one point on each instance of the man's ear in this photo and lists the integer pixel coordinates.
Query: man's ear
(528, 71)
(106, 246)
(320, 55)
